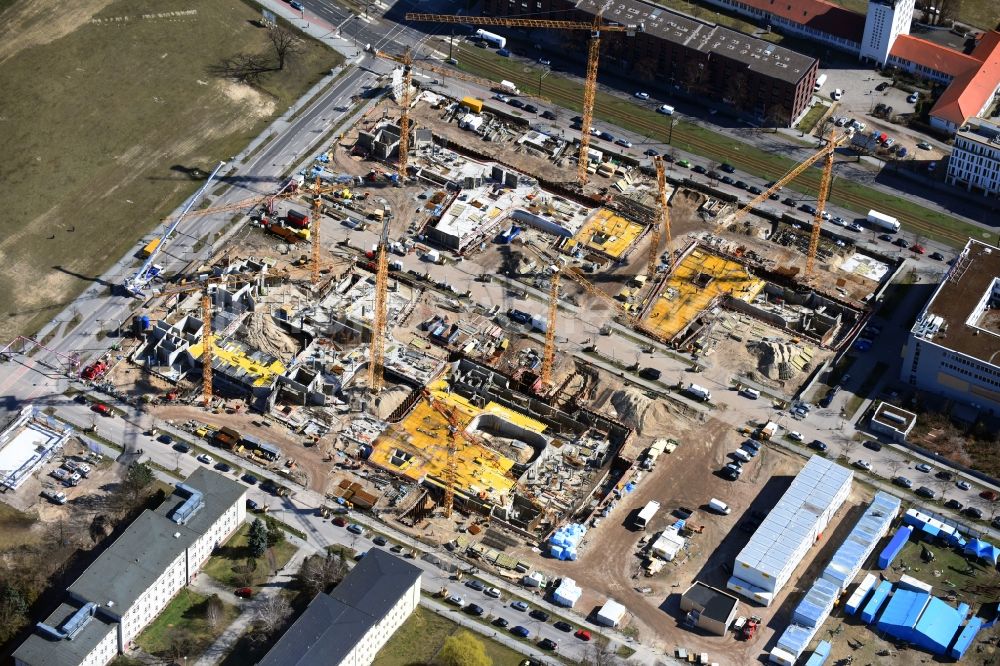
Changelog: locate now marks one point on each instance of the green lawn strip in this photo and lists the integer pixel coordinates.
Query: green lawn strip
(972, 583)
(867, 386)
(422, 635)
(718, 147)
(234, 553)
(812, 117)
(184, 614)
(274, 523)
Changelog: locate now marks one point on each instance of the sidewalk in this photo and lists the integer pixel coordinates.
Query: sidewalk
(208, 585)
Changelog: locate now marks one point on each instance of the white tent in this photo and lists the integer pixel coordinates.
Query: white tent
(668, 544)
(568, 593)
(611, 613)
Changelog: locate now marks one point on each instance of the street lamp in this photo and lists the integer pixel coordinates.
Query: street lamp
(542, 73)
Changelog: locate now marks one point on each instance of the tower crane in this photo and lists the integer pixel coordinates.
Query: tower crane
(455, 431)
(596, 27)
(207, 337)
(654, 247)
(431, 67)
(376, 357)
(549, 351)
(825, 153)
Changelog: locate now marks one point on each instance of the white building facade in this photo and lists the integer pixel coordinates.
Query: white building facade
(975, 158)
(132, 581)
(886, 20)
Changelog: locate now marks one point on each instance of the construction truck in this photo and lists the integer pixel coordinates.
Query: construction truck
(226, 438)
(150, 248)
(94, 371)
(288, 234)
(507, 87)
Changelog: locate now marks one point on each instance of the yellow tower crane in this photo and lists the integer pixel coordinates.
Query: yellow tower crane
(825, 153)
(317, 211)
(664, 221)
(376, 357)
(596, 27)
(207, 336)
(454, 433)
(549, 351)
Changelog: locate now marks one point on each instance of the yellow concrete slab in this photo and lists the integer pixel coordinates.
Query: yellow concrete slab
(693, 286)
(608, 232)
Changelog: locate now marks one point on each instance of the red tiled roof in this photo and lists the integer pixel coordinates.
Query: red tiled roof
(970, 90)
(933, 56)
(817, 14)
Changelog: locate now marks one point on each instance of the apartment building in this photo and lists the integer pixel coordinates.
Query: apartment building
(351, 624)
(131, 582)
(975, 157)
(953, 349)
(766, 81)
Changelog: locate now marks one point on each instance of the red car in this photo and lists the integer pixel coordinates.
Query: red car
(340, 521)
(582, 634)
(244, 592)
(919, 249)
(990, 495)
(101, 409)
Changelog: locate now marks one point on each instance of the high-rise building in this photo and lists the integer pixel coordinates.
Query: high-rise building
(886, 20)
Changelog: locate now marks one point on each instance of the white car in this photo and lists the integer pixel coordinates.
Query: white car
(836, 94)
(863, 464)
(912, 99)
(205, 458)
(544, 61)
(826, 216)
(642, 95)
(795, 435)
(889, 143)
(666, 110)
(492, 592)
(854, 226)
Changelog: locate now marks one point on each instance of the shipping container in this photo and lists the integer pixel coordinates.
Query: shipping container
(491, 38)
(646, 514)
(150, 248)
(297, 219)
(474, 104)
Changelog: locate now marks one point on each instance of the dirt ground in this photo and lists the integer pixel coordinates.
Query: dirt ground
(610, 564)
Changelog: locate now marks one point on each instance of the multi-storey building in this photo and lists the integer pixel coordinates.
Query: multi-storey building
(351, 624)
(975, 157)
(128, 585)
(764, 80)
(885, 21)
(953, 349)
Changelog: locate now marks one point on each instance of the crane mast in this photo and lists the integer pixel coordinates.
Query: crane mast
(379, 314)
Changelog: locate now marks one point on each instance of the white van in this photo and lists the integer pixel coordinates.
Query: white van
(820, 80)
(666, 110)
(718, 506)
(747, 392)
(741, 455)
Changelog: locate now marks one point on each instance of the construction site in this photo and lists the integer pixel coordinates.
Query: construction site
(442, 319)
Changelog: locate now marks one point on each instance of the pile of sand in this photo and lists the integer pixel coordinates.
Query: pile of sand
(774, 359)
(630, 407)
(649, 418)
(263, 333)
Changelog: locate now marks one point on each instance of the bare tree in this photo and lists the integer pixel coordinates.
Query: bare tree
(286, 44)
(601, 654)
(318, 573)
(214, 611)
(271, 615)
(243, 68)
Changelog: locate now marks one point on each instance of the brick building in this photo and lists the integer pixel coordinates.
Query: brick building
(767, 82)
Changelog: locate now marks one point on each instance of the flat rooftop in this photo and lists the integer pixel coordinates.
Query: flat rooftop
(758, 55)
(983, 131)
(958, 315)
(26, 444)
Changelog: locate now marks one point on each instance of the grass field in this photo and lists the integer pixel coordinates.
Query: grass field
(983, 14)
(184, 616)
(108, 106)
(235, 552)
(423, 634)
(16, 528)
(703, 141)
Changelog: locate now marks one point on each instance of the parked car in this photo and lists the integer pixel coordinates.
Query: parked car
(882, 86)
(727, 167)
(788, 201)
(380, 540)
(873, 445)
(912, 98)
(924, 491)
(754, 190)
(548, 115)
(995, 522)
(520, 631)
(102, 409)
(545, 62)
(563, 626)
(818, 445)
(854, 226)
(475, 609)
(923, 467)
(863, 464)
(519, 605)
(547, 644)
(943, 475)
(607, 136)
(963, 485)
(165, 439)
(339, 521)
(973, 512)
(503, 53)
(923, 145)
(642, 95)
(492, 592)
(885, 237)
(937, 256)
(582, 634)
(516, 103)
(901, 242)
(953, 504)
(354, 528)
(455, 600)
(243, 592)
(651, 374)
(742, 185)
(475, 584)
(539, 615)
(530, 108)
(624, 142)
(501, 622)
(699, 169)
(990, 495)
(727, 180)
(796, 436)
(902, 481)
(182, 448)
(252, 505)
(918, 248)
(651, 152)
(249, 478)
(684, 163)
(205, 458)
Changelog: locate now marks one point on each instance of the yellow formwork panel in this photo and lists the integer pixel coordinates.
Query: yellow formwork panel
(682, 300)
(423, 438)
(608, 232)
(263, 374)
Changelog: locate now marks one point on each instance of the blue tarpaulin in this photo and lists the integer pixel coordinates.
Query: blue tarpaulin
(900, 616)
(890, 552)
(937, 626)
(982, 549)
(563, 543)
(819, 655)
(965, 638)
(875, 603)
